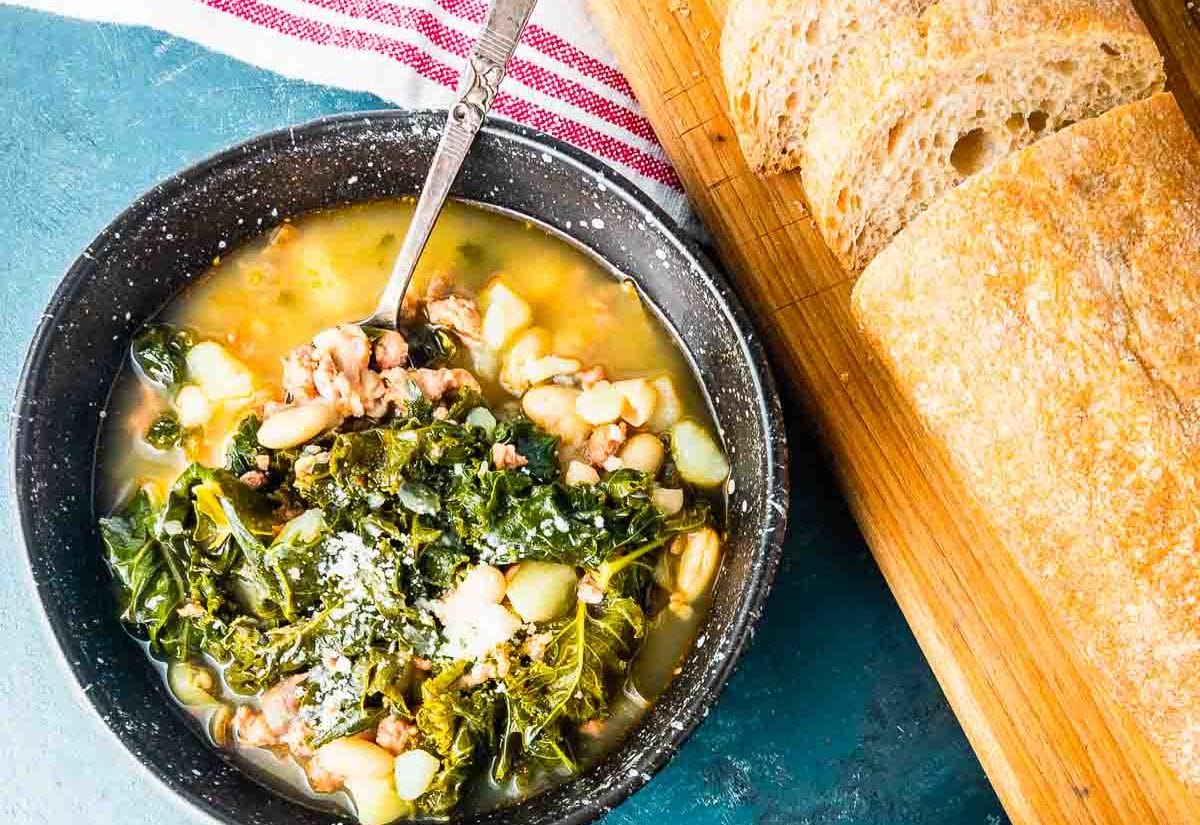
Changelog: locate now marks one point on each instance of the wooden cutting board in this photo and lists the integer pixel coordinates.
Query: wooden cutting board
(1055, 747)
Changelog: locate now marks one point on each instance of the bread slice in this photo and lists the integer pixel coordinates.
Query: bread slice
(932, 100)
(1044, 318)
(778, 57)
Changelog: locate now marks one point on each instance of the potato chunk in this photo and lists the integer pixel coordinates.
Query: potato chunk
(543, 369)
(218, 372)
(530, 345)
(541, 590)
(376, 801)
(553, 408)
(195, 408)
(415, 770)
(580, 473)
(641, 398)
(507, 314)
(699, 459)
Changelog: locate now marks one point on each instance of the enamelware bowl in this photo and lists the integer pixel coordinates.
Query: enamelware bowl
(171, 235)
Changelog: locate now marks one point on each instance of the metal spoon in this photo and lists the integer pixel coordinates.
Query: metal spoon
(486, 66)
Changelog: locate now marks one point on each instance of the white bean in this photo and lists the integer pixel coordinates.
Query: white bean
(295, 425)
(542, 590)
(602, 403)
(191, 684)
(698, 563)
(643, 452)
(669, 500)
(220, 725)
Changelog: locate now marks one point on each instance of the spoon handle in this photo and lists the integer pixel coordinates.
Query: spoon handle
(485, 69)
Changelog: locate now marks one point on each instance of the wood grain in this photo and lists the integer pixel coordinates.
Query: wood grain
(1174, 26)
(1056, 748)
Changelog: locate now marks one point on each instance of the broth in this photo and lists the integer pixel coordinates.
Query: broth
(333, 272)
(263, 300)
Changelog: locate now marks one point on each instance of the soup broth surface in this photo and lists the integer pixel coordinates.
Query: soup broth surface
(263, 300)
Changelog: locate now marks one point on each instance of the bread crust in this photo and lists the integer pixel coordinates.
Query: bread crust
(1044, 319)
(899, 70)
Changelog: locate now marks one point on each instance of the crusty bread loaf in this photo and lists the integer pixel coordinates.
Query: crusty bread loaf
(1044, 318)
(778, 57)
(929, 101)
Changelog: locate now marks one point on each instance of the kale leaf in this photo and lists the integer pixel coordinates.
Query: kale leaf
(539, 448)
(243, 448)
(293, 559)
(164, 432)
(582, 525)
(160, 351)
(373, 461)
(380, 682)
(152, 580)
(585, 659)
(457, 725)
(431, 346)
(260, 658)
(185, 566)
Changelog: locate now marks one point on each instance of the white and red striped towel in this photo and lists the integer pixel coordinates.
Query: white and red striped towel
(563, 80)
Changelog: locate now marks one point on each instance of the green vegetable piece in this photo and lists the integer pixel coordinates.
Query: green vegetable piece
(151, 578)
(539, 447)
(457, 726)
(164, 432)
(243, 446)
(293, 559)
(373, 460)
(431, 347)
(581, 670)
(160, 352)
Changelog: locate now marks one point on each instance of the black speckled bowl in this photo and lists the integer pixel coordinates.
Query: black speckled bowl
(172, 234)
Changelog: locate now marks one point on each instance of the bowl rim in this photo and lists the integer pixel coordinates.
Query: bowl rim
(767, 550)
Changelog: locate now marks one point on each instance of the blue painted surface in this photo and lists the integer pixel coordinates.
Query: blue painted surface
(833, 717)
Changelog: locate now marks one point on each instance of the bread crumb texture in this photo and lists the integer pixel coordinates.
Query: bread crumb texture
(778, 58)
(927, 101)
(1044, 318)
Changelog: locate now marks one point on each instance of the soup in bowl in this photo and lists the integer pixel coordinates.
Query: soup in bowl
(416, 571)
(506, 553)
